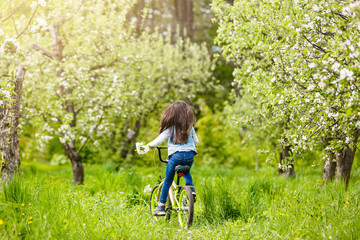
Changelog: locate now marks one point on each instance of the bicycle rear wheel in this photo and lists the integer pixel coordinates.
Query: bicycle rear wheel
(186, 211)
(154, 199)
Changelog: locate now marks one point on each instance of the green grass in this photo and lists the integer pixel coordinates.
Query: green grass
(232, 204)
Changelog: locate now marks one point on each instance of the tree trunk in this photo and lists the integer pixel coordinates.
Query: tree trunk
(256, 158)
(184, 17)
(57, 44)
(70, 149)
(285, 160)
(329, 168)
(139, 6)
(9, 121)
(344, 161)
(131, 138)
(76, 162)
(124, 140)
(137, 130)
(137, 12)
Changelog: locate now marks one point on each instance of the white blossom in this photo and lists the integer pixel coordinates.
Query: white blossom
(346, 73)
(141, 148)
(33, 4)
(39, 24)
(147, 189)
(322, 85)
(336, 66)
(355, 54)
(329, 90)
(42, 3)
(311, 87)
(315, 8)
(38, 2)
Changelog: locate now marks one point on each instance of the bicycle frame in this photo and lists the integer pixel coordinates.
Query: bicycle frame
(174, 188)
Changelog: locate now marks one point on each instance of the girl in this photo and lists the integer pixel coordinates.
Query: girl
(177, 123)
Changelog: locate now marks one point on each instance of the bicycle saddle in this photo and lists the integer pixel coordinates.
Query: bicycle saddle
(182, 169)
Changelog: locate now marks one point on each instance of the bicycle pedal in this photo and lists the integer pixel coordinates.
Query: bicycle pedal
(194, 196)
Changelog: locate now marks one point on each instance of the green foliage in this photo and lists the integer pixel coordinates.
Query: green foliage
(59, 159)
(221, 142)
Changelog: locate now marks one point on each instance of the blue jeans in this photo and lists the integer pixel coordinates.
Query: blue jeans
(178, 158)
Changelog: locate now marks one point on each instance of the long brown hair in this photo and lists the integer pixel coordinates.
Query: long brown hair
(179, 119)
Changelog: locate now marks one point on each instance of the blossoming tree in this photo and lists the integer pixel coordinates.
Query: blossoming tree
(90, 73)
(300, 62)
(12, 73)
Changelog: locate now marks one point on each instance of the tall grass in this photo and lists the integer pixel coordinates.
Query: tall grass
(232, 204)
(222, 202)
(218, 202)
(15, 192)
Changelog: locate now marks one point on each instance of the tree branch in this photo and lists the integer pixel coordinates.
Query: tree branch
(341, 15)
(13, 12)
(28, 24)
(315, 45)
(89, 135)
(44, 51)
(14, 25)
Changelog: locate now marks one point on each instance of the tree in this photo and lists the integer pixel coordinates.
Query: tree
(99, 79)
(11, 83)
(9, 122)
(299, 61)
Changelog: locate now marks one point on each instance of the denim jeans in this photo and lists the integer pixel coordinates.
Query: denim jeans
(178, 158)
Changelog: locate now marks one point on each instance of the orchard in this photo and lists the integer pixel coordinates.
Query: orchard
(274, 87)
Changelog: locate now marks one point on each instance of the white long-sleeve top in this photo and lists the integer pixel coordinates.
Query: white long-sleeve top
(172, 148)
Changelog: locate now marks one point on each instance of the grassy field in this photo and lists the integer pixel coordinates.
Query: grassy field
(232, 204)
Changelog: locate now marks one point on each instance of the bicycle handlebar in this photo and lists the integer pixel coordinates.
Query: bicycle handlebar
(159, 149)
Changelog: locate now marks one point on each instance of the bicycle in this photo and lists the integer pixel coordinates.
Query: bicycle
(180, 198)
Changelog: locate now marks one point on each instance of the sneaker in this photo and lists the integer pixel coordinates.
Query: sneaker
(159, 210)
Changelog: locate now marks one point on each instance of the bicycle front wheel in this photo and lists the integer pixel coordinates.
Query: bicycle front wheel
(186, 204)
